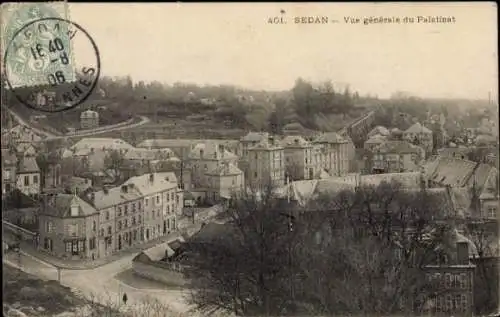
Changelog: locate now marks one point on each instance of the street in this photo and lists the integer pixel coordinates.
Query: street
(100, 283)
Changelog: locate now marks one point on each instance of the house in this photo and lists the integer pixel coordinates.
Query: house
(225, 181)
(250, 140)
(28, 176)
(9, 169)
(69, 227)
(379, 130)
(481, 178)
(300, 160)
(265, 164)
(162, 200)
(397, 157)
(374, 141)
(336, 152)
(205, 158)
(121, 218)
(26, 149)
(419, 135)
(89, 119)
(23, 134)
(153, 264)
(105, 144)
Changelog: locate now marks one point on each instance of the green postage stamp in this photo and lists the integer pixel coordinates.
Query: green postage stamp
(36, 49)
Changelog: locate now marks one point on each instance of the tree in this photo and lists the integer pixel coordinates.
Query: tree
(350, 252)
(241, 270)
(115, 162)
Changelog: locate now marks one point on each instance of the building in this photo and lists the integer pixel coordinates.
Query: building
(26, 149)
(335, 153)
(89, 119)
(419, 135)
(480, 178)
(121, 218)
(9, 169)
(265, 164)
(374, 142)
(162, 200)
(452, 273)
(23, 134)
(28, 176)
(205, 158)
(300, 157)
(250, 140)
(397, 157)
(105, 144)
(225, 181)
(379, 130)
(69, 227)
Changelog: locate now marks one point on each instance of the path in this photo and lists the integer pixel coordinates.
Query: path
(52, 136)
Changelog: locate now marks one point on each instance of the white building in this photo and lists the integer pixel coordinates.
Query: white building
(28, 176)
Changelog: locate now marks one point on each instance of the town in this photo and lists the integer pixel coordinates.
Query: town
(248, 168)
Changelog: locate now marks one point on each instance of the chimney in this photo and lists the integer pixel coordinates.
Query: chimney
(462, 253)
(151, 177)
(124, 189)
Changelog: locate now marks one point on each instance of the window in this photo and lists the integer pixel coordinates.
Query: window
(157, 199)
(26, 180)
(50, 227)
(107, 214)
(463, 280)
(176, 199)
(173, 223)
(119, 212)
(94, 226)
(255, 174)
(168, 209)
(139, 205)
(448, 279)
(133, 221)
(158, 213)
(492, 212)
(92, 244)
(153, 214)
(119, 225)
(449, 302)
(464, 302)
(126, 210)
(81, 246)
(146, 201)
(68, 246)
(102, 233)
(133, 207)
(172, 196)
(35, 179)
(168, 197)
(109, 230)
(139, 219)
(126, 223)
(134, 235)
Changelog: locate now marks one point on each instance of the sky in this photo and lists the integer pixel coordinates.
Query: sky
(232, 43)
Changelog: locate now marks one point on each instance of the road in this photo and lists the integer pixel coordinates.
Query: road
(52, 136)
(100, 283)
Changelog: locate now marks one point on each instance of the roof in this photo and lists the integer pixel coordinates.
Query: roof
(255, 137)
(452, 151)
(210, 231)
(294, 126)
(226, 169)
(267, 144)
(376, 139)
(330, 137)
(28, 165)
(89, 114)
(400, 147)
(102, 143)
(408, 180)
(294, 141)
(149, 154)
(158, 183)
(481, 175)
(417, 128)
(379, 130)
(59, 205)
(114, 196)
(449, 171)
(210, 150)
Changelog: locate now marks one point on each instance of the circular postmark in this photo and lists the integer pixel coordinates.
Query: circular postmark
(42, 70)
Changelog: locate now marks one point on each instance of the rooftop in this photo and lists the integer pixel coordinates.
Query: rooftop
(400, 147)
(59, 205)
(417, 128)
(149, 184)
(102, 143)
(330, 137)
(294, 141)
(28, 165)
(114, 196)
(210, 150)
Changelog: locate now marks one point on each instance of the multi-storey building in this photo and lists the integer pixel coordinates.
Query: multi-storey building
(397, 157)
(162, 200)
(69, 227)
(89, 119)
(299, 158)
(225, 181)
(9, 177)
(335, 153)
(250, 140)
(266, 164)
(205, 158)
(28, 176)
(419, 135)
(121, 218)
(374, 141)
